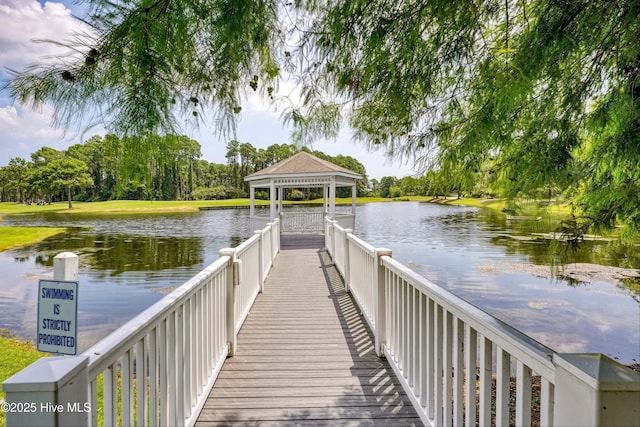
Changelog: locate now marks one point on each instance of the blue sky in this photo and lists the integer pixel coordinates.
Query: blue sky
(23, 131)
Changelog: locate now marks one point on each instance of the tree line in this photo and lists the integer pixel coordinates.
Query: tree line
(148, 168)
(171, 168)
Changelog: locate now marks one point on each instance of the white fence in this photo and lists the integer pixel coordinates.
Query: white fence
(157, 369)
(462, 367)
(302, 222)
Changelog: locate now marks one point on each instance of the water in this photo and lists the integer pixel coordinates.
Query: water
(504, 269)
(128, 262)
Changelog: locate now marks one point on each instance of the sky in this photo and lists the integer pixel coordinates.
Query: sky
(23, 131)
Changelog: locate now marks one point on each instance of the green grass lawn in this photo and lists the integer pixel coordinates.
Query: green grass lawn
(123, 206)
(13, 237)
(146, 206)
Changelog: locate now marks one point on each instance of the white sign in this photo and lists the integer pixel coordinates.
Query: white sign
(57, 314)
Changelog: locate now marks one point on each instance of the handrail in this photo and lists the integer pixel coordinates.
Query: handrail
(455, 330)
(535, 354)
(181, 342)
(107, 350)
(302, 222)
(435, 341)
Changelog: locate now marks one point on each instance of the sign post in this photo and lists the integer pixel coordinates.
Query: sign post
(57, 316)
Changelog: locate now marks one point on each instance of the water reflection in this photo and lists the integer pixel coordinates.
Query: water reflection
(508, 269)
(127, 262)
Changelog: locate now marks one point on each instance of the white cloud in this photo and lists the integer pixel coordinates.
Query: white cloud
(24, 21)
(22, 132)
(26, 124)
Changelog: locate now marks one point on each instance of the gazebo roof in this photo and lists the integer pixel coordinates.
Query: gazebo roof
(299, 168)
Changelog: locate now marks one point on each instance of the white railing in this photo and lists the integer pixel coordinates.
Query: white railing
(302, 222)
(258, 222)
(434, 341)
(270, 243)
(158, 368)
(462, 367)
(345, 220)
(179, 344)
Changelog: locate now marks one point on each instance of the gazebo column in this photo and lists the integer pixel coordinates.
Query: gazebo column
(280, 198)
(354, 195)
(272, 200)
(252, 201)
(332, 198)
(325, 191)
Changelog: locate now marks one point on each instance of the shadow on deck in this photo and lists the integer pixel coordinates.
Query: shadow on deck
(305, 355)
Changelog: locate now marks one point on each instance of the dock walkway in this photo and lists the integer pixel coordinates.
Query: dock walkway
(305, 355)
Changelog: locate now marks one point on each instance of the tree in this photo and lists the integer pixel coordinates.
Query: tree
(384, 187)
(93, 153)
(547, 89)
(16, 177)
(67, 173)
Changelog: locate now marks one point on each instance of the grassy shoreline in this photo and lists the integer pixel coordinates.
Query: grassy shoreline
(147, 206)
(13, 237)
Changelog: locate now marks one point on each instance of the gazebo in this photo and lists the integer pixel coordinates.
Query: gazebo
(303, 170)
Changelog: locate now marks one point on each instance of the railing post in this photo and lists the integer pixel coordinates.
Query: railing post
(261, 266)
(52, 391)
(333, 238)
(65, 266)
(346, 261)
(276, 245)
(231, 299)
(594, 390)
(380, 300)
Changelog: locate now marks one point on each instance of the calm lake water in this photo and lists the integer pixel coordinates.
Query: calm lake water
(128, 262)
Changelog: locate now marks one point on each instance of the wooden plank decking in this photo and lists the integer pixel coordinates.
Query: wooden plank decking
(305, 355)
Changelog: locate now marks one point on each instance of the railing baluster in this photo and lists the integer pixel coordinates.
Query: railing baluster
(93, 390)
(109, 396)
(486, 352)
(415, 339)
(153, 377)
(200, 345)
(171, 370)
(164, 350)
(180, 368)
(431, 359)
(546, 402)
(186, 356)
(502, 387)
(447, 368)
(458, 372)
(438, 374)
(402, 327)
(141, 386)
(424, 351)
(127, 389)
(523, 395)
(470, 352)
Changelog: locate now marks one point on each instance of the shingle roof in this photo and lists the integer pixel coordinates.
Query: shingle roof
(300, 164)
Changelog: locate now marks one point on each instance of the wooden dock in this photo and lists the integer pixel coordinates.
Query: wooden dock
(305, 355)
